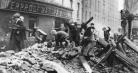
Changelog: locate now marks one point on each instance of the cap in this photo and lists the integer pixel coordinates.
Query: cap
(53, 32)
(93, 27)
(92, 23)
(16, 15)
(104, 28)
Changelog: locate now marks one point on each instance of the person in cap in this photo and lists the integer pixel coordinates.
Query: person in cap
(73, 32)
(106, 33)
(89, 40)
(14, 18)
(18, 34)
(60, 37)
(89, 30)
(84, 27)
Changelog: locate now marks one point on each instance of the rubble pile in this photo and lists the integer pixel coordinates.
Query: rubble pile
(38, 59)
(41, 59)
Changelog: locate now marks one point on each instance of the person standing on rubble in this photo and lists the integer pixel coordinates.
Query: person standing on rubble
(60, 37)
(18, 34)
(73, 32)
(84, 25)
(107, 33)
(83, 28)
(89, 40)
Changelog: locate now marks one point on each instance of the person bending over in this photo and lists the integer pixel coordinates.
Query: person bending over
(60, 37)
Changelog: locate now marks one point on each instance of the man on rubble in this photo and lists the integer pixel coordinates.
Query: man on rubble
(84, 25)
(83, 28)
(107, 33)
(89, 40)
(60, 37)
(73, 32)
(18, 34)
(88, 43)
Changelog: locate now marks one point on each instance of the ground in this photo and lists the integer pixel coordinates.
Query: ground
(41, 59)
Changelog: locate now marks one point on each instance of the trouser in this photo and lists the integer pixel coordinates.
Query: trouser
(104, 44)
(75, 39)
(20, 45)
(86, 49)
(59, 42)
(16, 45)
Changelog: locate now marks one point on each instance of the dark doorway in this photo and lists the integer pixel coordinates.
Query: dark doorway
(33, 22)
(58, 23)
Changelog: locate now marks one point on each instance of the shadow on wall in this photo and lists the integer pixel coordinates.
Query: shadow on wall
(4, 30)
(4, 41)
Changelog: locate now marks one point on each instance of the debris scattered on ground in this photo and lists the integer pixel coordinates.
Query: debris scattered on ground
(41, 59)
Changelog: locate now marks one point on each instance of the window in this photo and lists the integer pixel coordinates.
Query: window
(78, 10)
(89, 14)
(90, 4)
(86, 16)
(86, 3)
(32, 23)
(62, 2)
(95, 5)
(98, 6)
(71, 3)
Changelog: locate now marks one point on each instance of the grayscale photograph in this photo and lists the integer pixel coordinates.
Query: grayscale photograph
(68, 36)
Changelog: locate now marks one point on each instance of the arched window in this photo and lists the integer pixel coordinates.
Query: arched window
(78, 10)
(71, 3)
(86, 16)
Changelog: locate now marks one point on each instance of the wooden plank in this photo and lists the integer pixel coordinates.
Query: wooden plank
(103, 42)
(131, 44)
(104, 57)
(120, 48)
(126, 59)
(85, 64)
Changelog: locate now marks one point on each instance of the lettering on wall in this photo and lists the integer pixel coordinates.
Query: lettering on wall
(36, 8)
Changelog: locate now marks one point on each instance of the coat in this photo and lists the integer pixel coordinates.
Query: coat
(17, 37)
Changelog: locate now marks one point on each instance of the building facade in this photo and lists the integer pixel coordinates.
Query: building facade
(105, 13)
(45, 15)
(75, 5)
(132, 7)
(77, 11)
(63, 3)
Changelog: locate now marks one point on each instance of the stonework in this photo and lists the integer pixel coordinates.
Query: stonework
(77, 11)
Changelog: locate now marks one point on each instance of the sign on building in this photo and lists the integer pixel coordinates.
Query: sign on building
(35, 8)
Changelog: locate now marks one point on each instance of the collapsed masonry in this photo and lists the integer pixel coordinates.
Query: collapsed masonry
(38, 59)
(41, 59)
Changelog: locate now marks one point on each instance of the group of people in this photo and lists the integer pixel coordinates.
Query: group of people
(71, 33)
(80, 36)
